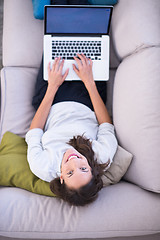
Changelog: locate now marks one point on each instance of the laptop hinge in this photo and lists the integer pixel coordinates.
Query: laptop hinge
(76, 35)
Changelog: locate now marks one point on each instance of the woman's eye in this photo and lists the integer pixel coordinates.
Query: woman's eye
(70, 172)
(83, 168)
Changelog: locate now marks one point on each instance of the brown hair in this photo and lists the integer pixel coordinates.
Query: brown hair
(89, 192)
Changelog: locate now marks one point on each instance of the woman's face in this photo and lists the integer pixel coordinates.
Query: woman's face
(75, 170)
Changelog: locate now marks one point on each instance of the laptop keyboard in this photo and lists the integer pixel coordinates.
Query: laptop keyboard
(69, 49)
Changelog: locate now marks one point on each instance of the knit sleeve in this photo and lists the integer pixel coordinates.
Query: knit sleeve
(38, 157)
(105, 145)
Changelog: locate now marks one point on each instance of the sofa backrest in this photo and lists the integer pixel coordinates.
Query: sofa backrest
(136, 98)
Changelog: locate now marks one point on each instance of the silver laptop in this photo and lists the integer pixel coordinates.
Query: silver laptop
(69, 30)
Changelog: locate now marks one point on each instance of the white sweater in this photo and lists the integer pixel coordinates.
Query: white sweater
(65, 120)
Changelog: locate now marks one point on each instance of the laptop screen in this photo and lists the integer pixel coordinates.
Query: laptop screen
(77, 20)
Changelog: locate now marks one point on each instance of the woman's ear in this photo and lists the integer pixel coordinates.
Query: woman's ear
(61, 179)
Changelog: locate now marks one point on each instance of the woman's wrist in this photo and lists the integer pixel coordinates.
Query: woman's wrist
(90, 86)
(98, 104)
(51, 90)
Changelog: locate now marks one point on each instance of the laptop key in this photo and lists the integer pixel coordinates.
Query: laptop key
(70, 58)
(71, 48)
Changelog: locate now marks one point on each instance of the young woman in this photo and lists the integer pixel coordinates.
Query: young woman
(71, 139)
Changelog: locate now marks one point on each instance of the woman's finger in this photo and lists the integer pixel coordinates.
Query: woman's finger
(78, 62)
(65, 74)
(75, 69)
(54, 64)
(82, 57)
(85, 58)
(57, 63)
(90, 61)
(61, 65)
(49, 67)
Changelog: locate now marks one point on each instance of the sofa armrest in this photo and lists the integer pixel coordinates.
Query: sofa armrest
(17, 89)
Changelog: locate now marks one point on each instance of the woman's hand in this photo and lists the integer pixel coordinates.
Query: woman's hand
(55, 79)
(84, 70)
(55, 76)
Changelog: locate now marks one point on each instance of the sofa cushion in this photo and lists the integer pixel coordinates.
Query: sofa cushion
(135, 26)
(14, 168)
(136, 113)
(15, 171)
(38, 8)
(121, 210)
(22, 35)
(17, 90)
(121, 162)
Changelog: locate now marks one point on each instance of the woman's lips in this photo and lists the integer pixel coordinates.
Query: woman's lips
(71, 156)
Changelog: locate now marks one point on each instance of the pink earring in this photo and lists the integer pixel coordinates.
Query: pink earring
(61, 180)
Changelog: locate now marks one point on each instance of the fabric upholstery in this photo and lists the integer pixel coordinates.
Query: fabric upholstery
(122, 209)
(136, 114)
(118, 168)
(137, 24)
(17, 111)
(21, 27)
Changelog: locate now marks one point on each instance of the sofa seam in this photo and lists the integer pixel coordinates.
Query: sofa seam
(138, 50)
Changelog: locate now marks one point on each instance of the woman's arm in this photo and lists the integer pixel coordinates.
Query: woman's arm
(41, 114)
(84, 72)
(55, 79)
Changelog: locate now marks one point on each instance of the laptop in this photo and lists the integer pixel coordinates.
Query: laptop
(72, 29)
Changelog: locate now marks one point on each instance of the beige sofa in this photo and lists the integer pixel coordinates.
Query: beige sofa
(131, 208)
